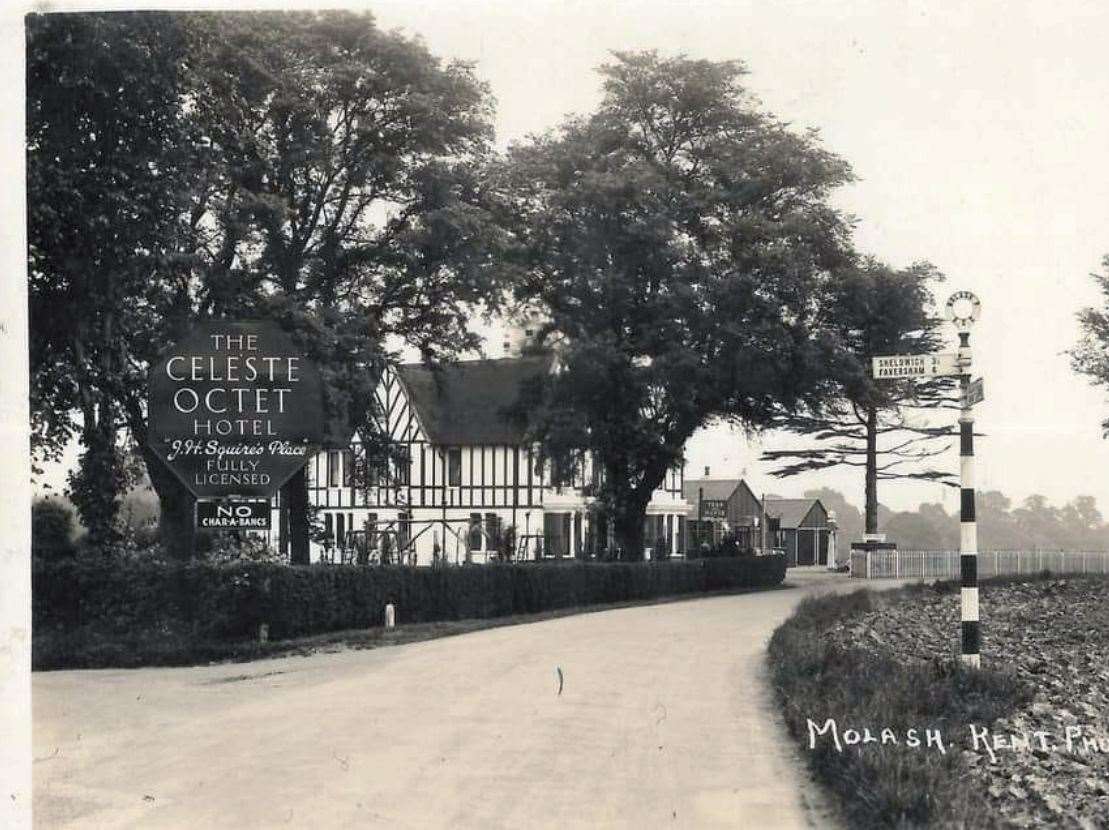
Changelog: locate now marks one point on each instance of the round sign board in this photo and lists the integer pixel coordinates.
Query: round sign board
(235, 409)
(963, 308)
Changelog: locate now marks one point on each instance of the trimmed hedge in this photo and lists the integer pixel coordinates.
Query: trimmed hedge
(209, 602)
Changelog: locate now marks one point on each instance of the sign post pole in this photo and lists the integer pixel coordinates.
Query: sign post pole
(964, 318)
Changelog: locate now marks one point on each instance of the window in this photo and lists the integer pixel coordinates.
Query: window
(327, 526)
(348, 468)
(562, 472)
(404, 530)
(404, 465)
(372, 470)
(454, 467)
(492, 531)
(333, 464)
(474, 540)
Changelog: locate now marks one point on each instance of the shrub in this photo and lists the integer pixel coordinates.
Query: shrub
(210, 601)
(728, 546)
(51, 529)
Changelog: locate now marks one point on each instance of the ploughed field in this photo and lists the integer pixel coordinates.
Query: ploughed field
(1047, 762)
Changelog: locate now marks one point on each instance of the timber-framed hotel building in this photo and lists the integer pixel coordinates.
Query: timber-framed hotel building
(461, 475)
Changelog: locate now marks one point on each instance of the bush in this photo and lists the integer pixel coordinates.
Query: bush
(207, 601)
(726, 547)
(51, 530)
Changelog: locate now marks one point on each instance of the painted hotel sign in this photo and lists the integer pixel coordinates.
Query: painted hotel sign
(235, 409)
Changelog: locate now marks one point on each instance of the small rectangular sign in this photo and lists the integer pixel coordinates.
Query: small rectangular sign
(940, 364)
(976, 392)
(233, 515)
(714, 509)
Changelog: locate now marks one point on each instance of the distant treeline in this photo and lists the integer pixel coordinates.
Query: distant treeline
(1034, 524)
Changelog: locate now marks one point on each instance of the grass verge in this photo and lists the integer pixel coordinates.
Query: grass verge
(885, 785)
(87, 648)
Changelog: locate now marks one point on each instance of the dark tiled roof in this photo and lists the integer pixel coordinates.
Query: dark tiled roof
(464, 403)
(791, 512)
(715, 489)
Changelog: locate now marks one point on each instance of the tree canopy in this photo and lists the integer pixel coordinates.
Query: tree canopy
(1091, 356)
(879, 426)
(676, 239)
(106, 147)
(303, 167)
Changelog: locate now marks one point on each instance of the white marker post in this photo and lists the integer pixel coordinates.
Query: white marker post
(963, 308)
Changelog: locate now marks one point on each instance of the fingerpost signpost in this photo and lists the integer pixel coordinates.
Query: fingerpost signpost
(235, 410)
(963, 309)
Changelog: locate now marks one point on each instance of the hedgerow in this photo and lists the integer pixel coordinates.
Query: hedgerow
(98, 600)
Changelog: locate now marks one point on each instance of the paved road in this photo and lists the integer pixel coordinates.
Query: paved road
(664, 720)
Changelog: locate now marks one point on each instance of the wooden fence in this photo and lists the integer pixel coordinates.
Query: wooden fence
(944, 564)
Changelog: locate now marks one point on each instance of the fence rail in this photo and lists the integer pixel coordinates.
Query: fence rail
(944, 564)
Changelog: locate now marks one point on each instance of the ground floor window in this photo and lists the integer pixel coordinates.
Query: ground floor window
(492, 531)
(474, 539)
(556, 534)
(596, 537)
(654, 535)
(404, 530)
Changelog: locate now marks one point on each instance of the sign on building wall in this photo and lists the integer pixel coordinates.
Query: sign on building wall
(714, 509)
(235, 409)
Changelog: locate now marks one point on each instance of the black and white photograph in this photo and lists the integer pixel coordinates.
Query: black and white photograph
(474, 414)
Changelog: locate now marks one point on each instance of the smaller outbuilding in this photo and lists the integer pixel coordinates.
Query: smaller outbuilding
(803, 528)
(724, 506)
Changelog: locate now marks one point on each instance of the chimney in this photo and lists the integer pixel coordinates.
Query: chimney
(706, 472)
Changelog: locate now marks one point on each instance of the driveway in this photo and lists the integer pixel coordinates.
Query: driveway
(664, 719)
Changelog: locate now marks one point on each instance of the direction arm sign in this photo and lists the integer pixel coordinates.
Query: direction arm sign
(976, 392)
(897, 366)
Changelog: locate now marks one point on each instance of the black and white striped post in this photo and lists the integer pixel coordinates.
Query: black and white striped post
(963, 308)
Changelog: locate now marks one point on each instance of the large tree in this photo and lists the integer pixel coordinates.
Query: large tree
(879, 426)
(331, 185)
(106, 148)
(1091, 356)
(676, 239)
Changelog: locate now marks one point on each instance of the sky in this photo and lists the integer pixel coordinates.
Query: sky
(978, 132)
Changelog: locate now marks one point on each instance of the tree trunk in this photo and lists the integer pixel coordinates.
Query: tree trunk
(95, 488)
(177, 518)
(294, 498)
(627, 527)
(871, 470)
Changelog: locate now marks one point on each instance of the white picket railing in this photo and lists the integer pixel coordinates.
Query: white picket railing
(944, 564)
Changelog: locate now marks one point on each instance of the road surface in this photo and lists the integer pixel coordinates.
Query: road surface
(664, 719)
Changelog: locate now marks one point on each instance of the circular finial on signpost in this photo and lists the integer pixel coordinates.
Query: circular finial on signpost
(963, 308)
